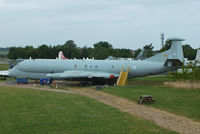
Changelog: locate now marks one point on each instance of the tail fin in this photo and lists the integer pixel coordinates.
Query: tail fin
(143, 53)
(140, 55)
(174, 54)
(198, 56)
(61, 56)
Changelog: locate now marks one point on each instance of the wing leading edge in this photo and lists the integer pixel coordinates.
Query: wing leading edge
(4, 73)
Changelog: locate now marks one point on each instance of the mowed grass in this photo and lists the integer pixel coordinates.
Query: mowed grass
(4, 66)
(155, 78)
(26, 111)
(179, 101)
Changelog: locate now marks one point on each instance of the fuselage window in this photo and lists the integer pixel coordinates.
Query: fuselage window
(113, 66)
(96, 66)
(75, 66)
(85, 66)
(90, 66)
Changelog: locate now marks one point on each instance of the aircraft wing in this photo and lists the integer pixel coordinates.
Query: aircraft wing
(4, 73)
(82, 74)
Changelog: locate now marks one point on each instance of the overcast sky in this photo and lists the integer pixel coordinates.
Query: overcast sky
(123, 23)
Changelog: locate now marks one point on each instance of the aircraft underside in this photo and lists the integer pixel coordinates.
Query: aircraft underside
(95, 81)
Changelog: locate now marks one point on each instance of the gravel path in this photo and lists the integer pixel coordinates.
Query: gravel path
(162, 118)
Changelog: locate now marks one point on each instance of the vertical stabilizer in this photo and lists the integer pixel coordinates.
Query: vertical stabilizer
(143, 53)
(140, 55)
(174, 53)
(61, 56)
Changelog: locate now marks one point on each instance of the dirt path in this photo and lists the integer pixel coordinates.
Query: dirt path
(162, 118)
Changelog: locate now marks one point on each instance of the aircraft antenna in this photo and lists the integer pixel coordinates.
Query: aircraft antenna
(162, 39)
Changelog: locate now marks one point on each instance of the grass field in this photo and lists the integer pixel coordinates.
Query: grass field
(4, 66)
(4, 52)
(156, 78)
(179, 101)
(25, 111)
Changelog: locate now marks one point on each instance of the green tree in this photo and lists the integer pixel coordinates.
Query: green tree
(149, 49)
(44, 51)
(102, 50)
(189, 52)
(70, 50)
(103, 44)
(167, 46)
(70, 44)
(16, 52)
(136, 52)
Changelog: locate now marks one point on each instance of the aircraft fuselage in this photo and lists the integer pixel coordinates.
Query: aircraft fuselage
(39, 68)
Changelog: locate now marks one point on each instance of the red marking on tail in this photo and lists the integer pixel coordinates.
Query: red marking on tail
(61, 56)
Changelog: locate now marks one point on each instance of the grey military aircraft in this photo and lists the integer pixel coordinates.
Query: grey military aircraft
(99, 70)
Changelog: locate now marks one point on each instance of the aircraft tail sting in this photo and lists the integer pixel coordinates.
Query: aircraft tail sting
(172, 56)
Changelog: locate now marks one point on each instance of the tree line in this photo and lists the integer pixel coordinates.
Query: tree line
(100, 50)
